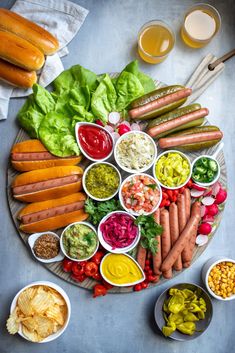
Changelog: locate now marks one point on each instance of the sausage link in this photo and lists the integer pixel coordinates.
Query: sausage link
(32, 156)
(179, 245)
(167, 142)
(188, 251)
(141, 256)
(166, 240)
(172, 124)
(157, 258)
(43, 185)
(174, 231)
(160, 102)
(52, 212)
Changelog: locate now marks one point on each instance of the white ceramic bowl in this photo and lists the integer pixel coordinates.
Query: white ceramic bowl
(126, 284)
(125, 136)
(218, 174)
(190, 169)
(31, 240)
(84, 181)
(128, 209)
(63, 294)
(80, 146)
(117, 250)
(206, 271)
(62, 246)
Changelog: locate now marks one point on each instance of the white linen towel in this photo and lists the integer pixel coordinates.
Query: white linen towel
(63, 19)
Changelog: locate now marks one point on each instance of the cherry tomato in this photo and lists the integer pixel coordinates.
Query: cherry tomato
(190, 183)
(181, 190)
(176, 192)
(137, 287)
(67, 265)
(167, 203)
(79, 278)
(147, 262)
(97, 257)
(99, 122)
(164, 195)
(147, 268)
(170, 193)
(78, 268)
(174, 198)
(144, 285)
(99, 290)
(122, 129)
(91, 268)
(97, 276)
(152, 278)
(107, 285)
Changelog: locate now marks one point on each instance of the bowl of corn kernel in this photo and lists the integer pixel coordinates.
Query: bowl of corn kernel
(218, 274)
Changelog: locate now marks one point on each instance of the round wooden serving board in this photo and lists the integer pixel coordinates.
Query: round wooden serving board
(55, 267)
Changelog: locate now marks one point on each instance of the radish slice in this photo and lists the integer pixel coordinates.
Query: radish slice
(126, 123)
(196, 193)
(208, 192)
(135, 127)
(197, 187)
(109, 128)
(216, 188)
(208, 218)
(115, 136)
(201, 239)
(208, 200)
(114, 117)
(203, 210)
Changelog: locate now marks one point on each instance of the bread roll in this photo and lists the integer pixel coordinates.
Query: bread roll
(38, 36)
(20, 52)
(16, 76)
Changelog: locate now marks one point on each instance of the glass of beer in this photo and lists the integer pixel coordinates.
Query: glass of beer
(201, 23)
(155, 41)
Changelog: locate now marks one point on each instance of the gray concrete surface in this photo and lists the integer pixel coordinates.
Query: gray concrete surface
(124, 323)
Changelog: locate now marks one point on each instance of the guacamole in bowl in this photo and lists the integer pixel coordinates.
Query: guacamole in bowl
(79, 241)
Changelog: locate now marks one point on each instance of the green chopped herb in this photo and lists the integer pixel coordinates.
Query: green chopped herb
(149, 229)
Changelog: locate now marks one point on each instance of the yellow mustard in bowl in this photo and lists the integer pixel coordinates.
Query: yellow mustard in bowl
(121, 270)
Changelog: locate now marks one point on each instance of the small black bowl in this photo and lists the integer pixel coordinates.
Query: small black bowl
(202, 325)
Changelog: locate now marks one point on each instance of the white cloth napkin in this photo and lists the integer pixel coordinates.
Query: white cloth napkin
(202, 77)
(60, 17)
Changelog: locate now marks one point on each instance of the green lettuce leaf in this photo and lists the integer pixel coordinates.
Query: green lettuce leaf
(146, 81)
(128, 87)
(34, 109)
(75, 77)
(57, 134)
(103, 100)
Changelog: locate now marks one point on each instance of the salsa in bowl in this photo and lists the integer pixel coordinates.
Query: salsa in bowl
(140, 194)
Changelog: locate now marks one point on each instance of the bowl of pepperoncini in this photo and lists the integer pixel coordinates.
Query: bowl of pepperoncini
(183, 312)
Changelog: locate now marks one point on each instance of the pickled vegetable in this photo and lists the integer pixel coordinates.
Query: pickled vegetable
(172, 169)
(182, 310)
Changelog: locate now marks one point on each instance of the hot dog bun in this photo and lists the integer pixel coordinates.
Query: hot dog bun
(52, 214)
(20, 52)
(31, 155)
(16, 76)
(48, 183)
(38, 36)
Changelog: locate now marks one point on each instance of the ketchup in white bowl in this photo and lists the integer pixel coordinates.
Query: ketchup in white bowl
(95, 142)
